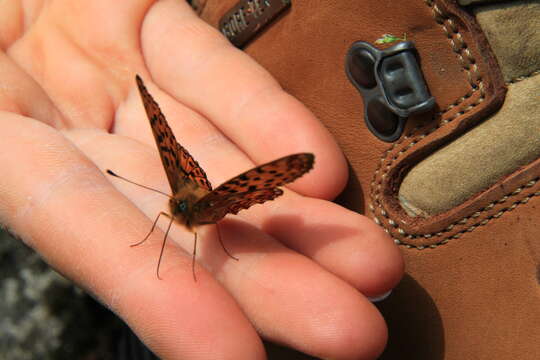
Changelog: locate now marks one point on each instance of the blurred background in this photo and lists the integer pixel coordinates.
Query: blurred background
(45, 316)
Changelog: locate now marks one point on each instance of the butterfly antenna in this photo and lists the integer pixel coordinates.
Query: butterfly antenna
(110, 172)
(193, 258)
(223, 245)
(163, 247)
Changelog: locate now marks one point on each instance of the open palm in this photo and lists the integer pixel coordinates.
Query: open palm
(69, 109)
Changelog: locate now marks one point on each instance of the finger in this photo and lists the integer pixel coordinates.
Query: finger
(62, 206)
(347, 244)
(289, 298)
(202, 70)
(20, 94)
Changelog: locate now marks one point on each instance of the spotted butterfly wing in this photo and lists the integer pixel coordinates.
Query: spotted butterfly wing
(213, 209)
(177, 161)
(255, 186)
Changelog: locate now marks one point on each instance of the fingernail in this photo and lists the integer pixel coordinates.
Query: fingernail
(375, 299)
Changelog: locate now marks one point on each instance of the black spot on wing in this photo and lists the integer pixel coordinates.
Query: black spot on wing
(273, 174)
(177, 161)
(230, 204)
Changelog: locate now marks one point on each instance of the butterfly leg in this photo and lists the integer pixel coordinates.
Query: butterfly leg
(223, 245)
(163, 245)
(193, 258)
(152, 229)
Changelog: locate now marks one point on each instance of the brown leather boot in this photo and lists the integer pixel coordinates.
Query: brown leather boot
(456, 184)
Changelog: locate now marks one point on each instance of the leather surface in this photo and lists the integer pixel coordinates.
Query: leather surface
(475, 298)
(471, 290)
(469, 2)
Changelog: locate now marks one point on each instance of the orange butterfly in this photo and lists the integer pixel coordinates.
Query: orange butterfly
(193, 202)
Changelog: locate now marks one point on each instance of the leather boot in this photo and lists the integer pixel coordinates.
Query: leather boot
(438, 113)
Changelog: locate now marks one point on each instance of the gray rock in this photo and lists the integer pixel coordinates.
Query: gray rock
(45, 316)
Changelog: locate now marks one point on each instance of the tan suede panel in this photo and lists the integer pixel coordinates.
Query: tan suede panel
(513, 31)
(478, 159)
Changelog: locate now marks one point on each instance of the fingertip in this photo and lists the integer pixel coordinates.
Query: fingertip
(328, 177)
(357, 334)
(348, 244)
(370, 338)
(289, 127)
(384, 266)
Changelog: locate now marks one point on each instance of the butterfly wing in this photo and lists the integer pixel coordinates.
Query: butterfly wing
(255, 186)
(192, 168)
(177, 161)
(211, 209)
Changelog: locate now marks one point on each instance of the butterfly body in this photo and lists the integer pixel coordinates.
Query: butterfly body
(194, 202)
(183, 204)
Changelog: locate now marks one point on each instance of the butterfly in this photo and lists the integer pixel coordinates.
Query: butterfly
(193, 201)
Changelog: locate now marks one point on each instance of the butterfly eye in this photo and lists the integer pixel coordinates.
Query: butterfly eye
(182, 206)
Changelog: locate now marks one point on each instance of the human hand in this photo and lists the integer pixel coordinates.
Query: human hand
(70, 109)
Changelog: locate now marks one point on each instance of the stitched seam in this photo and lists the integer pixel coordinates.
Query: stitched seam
(458, 46)
(464, 220)
(523, 77)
